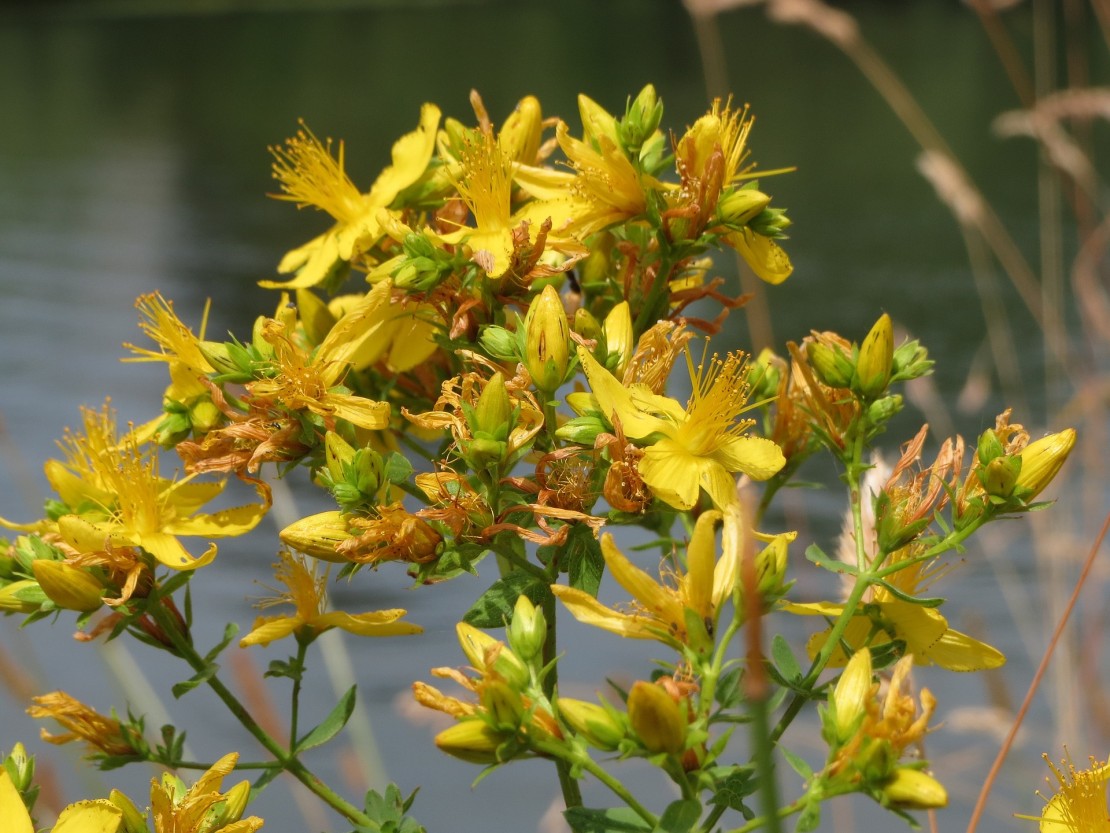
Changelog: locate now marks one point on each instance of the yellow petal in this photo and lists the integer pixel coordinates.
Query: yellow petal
(227, 523)
(588, 610)
(411, 154)
(269, 629)
(171, 552)
(97, 816)
(701, 558)
(13, 812)
(365, 413)
(763, 255)
(617, 401)
(654, 597)
(919, 626)
(757, 457)
(959, 652)
(188, 496)
(674, 475)
(378, 623)
(314, 262)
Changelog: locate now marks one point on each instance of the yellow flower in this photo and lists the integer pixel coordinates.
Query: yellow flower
(102, 734)
(100, 816)
(201, 808)
(310, 175)
(765, 257)
(485, 186)
(179, 348)
(306, 594)
(1079, 802)
(666, 612)
(114, 485)
(701, 446)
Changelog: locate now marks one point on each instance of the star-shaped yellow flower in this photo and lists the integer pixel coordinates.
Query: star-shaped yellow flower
(700, 446)
(306, 594)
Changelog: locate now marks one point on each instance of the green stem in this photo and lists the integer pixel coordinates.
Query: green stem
(659, 286)
(295, 704)
(572, 795)
(238, 764)
(781, 813)
(765, 762)
(618, 789)
(285, 758)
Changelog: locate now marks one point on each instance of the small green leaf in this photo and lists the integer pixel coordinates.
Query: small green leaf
(332, 724)
(495, 607)
(810, 817)
(784, 658)
(398, 469)
(584, 563)
(616, 820)
(797, 763)
(680, 817)
(202, 676)
(906, 597)
(733, 785)
(815, 554)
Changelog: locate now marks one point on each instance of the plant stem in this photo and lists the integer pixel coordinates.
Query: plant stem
(295, 703)
(572, 795)
(287, 759)
(619, 789)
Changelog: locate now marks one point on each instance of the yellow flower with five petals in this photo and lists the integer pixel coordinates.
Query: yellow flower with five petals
(697, 447)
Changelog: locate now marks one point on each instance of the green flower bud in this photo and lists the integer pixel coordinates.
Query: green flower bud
(472, 741)
(318, 535)
(912, 789)
(597, 123)
(480, 649)
(503, 706)
(1000, 475)
(586, 325)
(492, 413)
(989, 447)
(831, 364)
(883, 410)
(14, 597)
(765, 376)
(594, 270)
(582, 430)
(546, 350)
(204, 415)
(235, 803)
(528, 630)
(499, 343)
(641, 119)
(1041, 461)
(656, 718)
(740, 206)
(67, 586)
(133, 820)
(601, 727)
(876, 358)
(338, 454)
(911, 361)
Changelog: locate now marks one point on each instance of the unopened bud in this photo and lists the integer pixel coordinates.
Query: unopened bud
(67, 586)
(989, 447)
(619, 338)
(337, 454)
(876, 358)
(521, 133)
(885, 409)
(491, 414)
(1041, 461)
(204, 415)
(528, 630)
(641, 119)
(499, 343)
(849, 699)
(503, 705)
(17, 597)
(737, 207)
(586, 325)
(1000, 476)
(765, 375)
(133, 820)
(597, 123)
(318, 535)
(912, 789)
(601, 727)
(482, 650)
(656, 718)
(831, 364)
(546, 351)
(236, 802)
(315, 316)
(472, 740)
(582, 430)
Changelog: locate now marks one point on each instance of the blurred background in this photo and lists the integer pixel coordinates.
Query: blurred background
(948, 172)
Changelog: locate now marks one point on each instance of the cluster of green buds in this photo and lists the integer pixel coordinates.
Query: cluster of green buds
(490, 420)
(353, 476)
(541, 341)
(36, 579)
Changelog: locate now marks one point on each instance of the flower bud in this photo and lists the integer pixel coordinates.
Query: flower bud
(619, 338)
(482, 650)
(16, 597)
(739, 206)
(885, 409)
(911, 361)
(597, 123)
(849, 699)
(765, 375)
(912, 789)
(876, 358)
(831, 364)
(204, 415)
(989, 447)
(522, 131)
(491, 414)
(1041, 461)
(503, 705)
(1000, 475)
(236, 803)
(586, 325)
(528, 630)
(582, 430)
(472, 741)
(21, 767)
(338, 453)
(601, 727)
(67, 586)
(499, 343)
(597, 266)
(656, 718)
(546, 353)
(134, 821)
(641, 119)
(318, 535)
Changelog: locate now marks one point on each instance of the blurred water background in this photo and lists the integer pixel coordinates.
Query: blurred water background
(133, 158)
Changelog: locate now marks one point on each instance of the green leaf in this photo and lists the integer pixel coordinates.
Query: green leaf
(495, 607)
(906, 597)
(583, 560)
(815, 554)
(229, 634)
(680, 817)
(733, 785)
(784, 658)
(797, 763)
(398, 469)
(810, 817)
(728, 688)
(202, 676)
(616, 820)
(332, 724)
